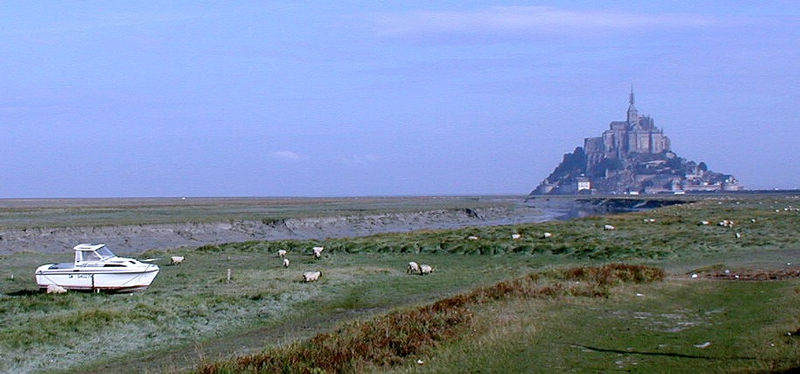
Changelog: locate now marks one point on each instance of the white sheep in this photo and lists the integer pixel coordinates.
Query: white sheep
(546, 235)
(704, 223)
(515, 236)
(317, 251)
(286, 262)
(649, 220)
(472, 237)
(425, 269)
(52, 288)
(412, 268)
(281, 253)
(608, 227)
(176, 260)
(311, 276)
(752, 220)
(738, 235)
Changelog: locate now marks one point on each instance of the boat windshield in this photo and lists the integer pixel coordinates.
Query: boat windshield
(104, 252)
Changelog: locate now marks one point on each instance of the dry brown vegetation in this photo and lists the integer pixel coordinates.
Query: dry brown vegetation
(385, 341)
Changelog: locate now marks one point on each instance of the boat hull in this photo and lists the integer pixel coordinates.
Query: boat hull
(92, 280)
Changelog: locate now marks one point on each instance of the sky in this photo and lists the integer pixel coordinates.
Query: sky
(367, 98)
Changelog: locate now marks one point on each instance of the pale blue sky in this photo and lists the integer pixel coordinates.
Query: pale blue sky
(298, 98)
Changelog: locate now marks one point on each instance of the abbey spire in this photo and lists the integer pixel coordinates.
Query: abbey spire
(633, 114)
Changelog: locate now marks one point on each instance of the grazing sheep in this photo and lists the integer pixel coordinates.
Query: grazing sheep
(515, 236)
(472, 237)
(176, 260)
(738, 235)
(317, 251)
(425, 269)
(52, 288)
(286, 262)
(281, 253)
(413, 267)
(726, 223)
(609, 227)
(311, 276)
(704, 223)
(649, 220)
(753, 220)
(546, 235)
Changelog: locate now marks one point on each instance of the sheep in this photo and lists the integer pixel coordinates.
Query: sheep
(704, 223)
(649, 220)
(176, 260)
(317, 251)
(286, 262)
(425, 269)
(311, 276)
(515, 236)
(738, 235)
(752, 220)
(281, 253)
(472, 237)
(726, 223)
(608, 227)
(413, 267)
(546, 235)
(52, 288)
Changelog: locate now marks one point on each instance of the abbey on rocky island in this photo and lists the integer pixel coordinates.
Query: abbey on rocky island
(632, 157)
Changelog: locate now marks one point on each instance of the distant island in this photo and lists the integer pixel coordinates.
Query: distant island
(632, 157)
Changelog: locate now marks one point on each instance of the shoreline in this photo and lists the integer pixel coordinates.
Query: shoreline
(315, 225)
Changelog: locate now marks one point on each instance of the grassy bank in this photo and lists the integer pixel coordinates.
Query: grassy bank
(672, 326)
(674, 232)
(389, 340)
(191, 313)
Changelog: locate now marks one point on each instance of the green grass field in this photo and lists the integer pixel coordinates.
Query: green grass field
(193, 316)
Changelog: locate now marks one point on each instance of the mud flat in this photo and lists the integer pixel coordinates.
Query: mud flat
(135, 225)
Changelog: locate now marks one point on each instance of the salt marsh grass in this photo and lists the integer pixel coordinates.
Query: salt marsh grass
(192, 313)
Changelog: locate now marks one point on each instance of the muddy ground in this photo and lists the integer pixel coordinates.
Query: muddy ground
(59, 232)
(134, 238)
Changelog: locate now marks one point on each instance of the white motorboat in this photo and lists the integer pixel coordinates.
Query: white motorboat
(97, 268)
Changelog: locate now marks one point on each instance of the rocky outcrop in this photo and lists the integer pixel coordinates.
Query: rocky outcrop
(632, 156)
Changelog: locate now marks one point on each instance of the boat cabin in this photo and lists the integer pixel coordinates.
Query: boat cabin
(89, 254)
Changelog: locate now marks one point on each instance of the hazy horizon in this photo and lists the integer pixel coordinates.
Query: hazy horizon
(349, 99)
